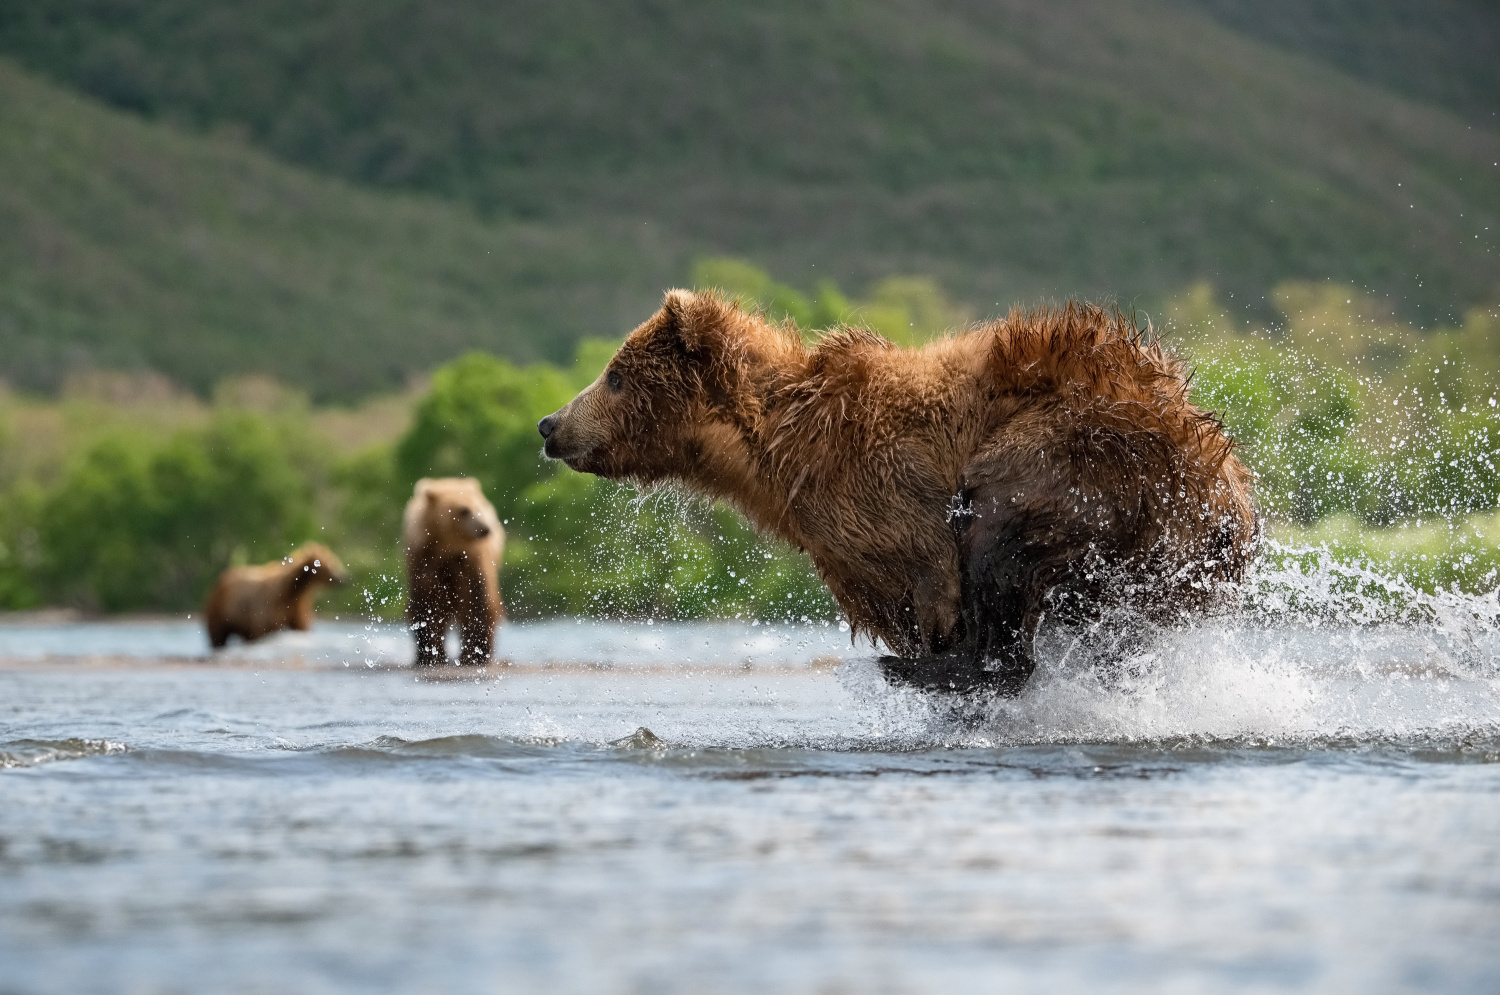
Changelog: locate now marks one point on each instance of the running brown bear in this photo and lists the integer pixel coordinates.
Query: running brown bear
(949, 494)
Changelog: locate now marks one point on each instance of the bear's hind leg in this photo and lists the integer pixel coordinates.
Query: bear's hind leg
(477, 641)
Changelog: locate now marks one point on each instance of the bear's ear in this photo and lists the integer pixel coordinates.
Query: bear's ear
(676, 310)
(693, 324)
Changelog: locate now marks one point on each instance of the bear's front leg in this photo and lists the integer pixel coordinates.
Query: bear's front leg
(430, 632)
(994, 654)
(960, 671)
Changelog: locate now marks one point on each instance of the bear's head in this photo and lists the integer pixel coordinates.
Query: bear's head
(314, 564)
(681, 385)
(452, 512)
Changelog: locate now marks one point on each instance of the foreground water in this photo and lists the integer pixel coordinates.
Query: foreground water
(1241, 807)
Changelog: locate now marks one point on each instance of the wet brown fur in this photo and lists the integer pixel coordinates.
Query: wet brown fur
(454, 544)
(942, 492)
(255, 601)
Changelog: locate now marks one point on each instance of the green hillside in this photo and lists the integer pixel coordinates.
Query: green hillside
(125, 244)
(1009, 149)
(1444, 52)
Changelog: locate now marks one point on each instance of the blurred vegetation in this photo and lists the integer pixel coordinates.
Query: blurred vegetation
(1436, 553)
(1343, 409)
(515, 176)
(127, 495)
(138, 522)
(1369, 436)
(905, 309)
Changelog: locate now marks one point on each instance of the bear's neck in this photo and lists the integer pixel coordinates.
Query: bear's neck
(726, 466)
(730, 459)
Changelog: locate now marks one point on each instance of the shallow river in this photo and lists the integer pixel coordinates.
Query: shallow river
(1240, 808)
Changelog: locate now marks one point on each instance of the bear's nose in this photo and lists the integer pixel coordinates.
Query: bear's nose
(481, 532)
(547, 426)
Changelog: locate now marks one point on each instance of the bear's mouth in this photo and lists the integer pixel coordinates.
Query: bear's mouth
(552, 450)
(580, 461)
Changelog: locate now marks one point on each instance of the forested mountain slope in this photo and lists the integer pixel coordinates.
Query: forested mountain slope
(1010, 148)
(1444, 52)
(126, 244)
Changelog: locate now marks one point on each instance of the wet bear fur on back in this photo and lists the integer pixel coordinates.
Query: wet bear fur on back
(255, 601)
(454, 544)
(948, 493)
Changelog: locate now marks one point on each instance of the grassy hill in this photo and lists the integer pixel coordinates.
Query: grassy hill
(1010, 149)
(126, 244)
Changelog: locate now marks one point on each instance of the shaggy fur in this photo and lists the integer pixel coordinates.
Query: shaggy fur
(946, 493)
(454, 543)
(251, 602)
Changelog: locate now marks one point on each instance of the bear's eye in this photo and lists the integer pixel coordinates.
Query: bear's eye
(614, 380)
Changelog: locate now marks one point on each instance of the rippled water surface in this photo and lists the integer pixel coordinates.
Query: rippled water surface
(689, 808)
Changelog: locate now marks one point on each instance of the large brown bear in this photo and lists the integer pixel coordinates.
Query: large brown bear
(948, 495)
(251, 602)
(453, 547)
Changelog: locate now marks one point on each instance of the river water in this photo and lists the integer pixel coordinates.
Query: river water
(1279, 800)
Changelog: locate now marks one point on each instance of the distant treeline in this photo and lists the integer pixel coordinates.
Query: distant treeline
(124, 495)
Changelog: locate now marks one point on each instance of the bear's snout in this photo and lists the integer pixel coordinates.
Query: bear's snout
(574, 431)
(555, 437)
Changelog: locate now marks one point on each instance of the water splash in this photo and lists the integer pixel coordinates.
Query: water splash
(1310, 649)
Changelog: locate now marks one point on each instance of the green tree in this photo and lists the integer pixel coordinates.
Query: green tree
(480, 421)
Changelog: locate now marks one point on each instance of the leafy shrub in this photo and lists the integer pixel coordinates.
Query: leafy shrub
(20, 547)
(141, 523)
(1344, 413)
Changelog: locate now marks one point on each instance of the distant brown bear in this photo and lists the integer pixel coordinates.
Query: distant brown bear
(251, 602)
(948, 495)
(453, 547)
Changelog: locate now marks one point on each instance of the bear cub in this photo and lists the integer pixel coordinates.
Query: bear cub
(255, 601)
(454, 543)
